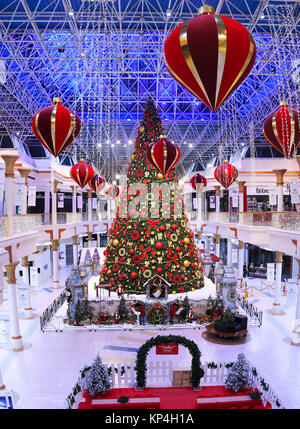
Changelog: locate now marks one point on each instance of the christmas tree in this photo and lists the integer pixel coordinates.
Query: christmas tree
(150, 234)
(98, 380)
(122, 310)
(238, 376)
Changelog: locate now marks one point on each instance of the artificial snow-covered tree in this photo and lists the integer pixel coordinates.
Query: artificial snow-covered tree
(98, 380)
(122, 310)
(87, 312)
(78, 312)
(238, 376)
(186, 306)
(151, 232)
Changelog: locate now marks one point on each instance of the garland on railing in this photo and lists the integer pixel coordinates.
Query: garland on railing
(250, 309)
(52, 309)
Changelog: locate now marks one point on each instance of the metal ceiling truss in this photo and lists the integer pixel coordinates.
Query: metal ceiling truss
(104, 58)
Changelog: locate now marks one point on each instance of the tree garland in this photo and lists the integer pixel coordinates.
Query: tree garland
(141, 367)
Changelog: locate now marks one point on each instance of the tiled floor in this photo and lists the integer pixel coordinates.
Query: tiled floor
(44, 374)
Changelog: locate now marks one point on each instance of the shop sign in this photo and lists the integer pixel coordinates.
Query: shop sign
(167, 349)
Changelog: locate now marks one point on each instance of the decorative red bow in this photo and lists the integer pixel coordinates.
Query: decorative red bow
(172, 259)
(160, 192)
(145, 250)
(153, 223)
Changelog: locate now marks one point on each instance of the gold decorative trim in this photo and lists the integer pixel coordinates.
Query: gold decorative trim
(222, 50)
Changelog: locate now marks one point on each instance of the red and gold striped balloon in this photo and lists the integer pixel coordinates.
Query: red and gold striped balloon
(82, 173)
(210, 56)
(198, 182)
(163, 155)
(226, 174)
(97, 183)
(56, 127)
(281, 129)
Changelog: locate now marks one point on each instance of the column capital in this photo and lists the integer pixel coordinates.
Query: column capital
(24, 172)
(279, 256)
(241, 244)
(74, 190)
(11, 272)
(75, 240)
(218, 190)
(9, 159)
(217, 236)
(54, 185)
(90, 193)
(279, 176)
(25, 262)
(90, 235)
(54, 244)
(241, 185)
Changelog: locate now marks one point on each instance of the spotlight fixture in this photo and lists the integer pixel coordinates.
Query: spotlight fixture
(168, 12)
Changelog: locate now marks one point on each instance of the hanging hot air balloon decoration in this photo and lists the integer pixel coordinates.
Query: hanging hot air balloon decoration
(281, 129)
(210, 56)
(198, 182)
(82, 173)
(163, 155)
(113, 191)
(56, 127)
(97, 183)
(226, 174)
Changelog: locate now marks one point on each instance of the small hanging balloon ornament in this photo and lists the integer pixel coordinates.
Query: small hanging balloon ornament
(198, 182)
(281, 129)
(210, 56)
(56, 127)
(113, 191)
(226, 174)
(163, 155)
(97, 183)
(82, 173)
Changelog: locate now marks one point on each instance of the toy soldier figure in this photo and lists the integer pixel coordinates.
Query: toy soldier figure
(119, 291)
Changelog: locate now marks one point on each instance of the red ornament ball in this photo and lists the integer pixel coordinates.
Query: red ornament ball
(162, 228)
(177, 248)
(133, 275)
(159, 245)
(174, 226)
(131, 251)
(159, 270)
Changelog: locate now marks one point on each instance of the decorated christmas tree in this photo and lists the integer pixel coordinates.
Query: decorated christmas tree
(238, 376)
(151, 233)
(98, 380)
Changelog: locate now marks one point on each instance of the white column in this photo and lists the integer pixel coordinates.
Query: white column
(229, 252)
(241, 261)
(54, 201)
(108, 209)
(1, 284)
(199, 206)
(277, 303)
(90, 239)
(98, 239)
(47, 201)
(218, 193)
(10, 159)
(279, 183)
(24, 172)
(74, 198)
(28, 308)
(54, 244)
(16, 337)
(75, 249)
(90, 207)
(2, 385)
(295, 337)
(217, 245)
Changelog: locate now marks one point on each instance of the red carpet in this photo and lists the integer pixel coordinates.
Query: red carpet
(172, 398)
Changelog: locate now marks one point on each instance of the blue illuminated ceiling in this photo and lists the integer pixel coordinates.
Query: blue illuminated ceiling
(104, 58)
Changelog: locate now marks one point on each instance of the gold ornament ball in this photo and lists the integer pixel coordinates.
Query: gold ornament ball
(173, 292)
(158, 253)
(109, 271)
(186, 263)
(132, 156)
(153, 261)
(152, 232)
(193, 289)
(186, 240)
(153, 267)
(115, 242)
(160, 176)
(129, 227)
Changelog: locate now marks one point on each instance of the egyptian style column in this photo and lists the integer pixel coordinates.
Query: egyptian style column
(229, 252)
(199, 206)
(28, 308)
(217, 251)
(16, 337)
(55, 243)
(218, 193)
(90, 239)
(108, 208)
(24, 172)
(241, 261)
(90, 207)
(276, 303)
(1, 284)
(279, 183)
(75, 249)
(241, 195)
(98, 239)
(74, 198)
(9, 160)
(2, 385)
(295, 337)
(54, 201)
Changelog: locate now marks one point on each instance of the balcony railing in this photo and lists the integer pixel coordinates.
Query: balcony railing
(278, 220)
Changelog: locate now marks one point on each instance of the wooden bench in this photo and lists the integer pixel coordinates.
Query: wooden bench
(226, 402)
(143, 403)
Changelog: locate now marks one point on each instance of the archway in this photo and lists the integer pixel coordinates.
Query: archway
(141, 367)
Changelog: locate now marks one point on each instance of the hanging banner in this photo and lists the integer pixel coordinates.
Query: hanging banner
(79, 201)
(270, 273)
(19, 191)
(212, 202)
(294, 189)
(195, 203)
(31, 196)
(95, 203)
(272, 196)
(60, 200)
(235, 200)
